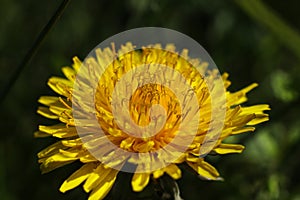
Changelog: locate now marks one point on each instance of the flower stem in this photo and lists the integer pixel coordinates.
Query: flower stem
(32, 51)
(267, 17)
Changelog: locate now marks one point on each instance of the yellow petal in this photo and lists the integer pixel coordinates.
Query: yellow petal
(60, 85)
(77, 63)
(72, 143)
(205, 170)
(58, 108)
(48, 100)
(158, 173)
(242, 130)
(229, 148)
(40, 134)
(192, 158)
(102, 189)
(59, 157)
(100, 176)
(143, 146)
(44, 111)
(242, 120)
(51, 129)
(240, 96)
(173, 171)
(70, 153)
(88, 158)
(51, 150)
(68, 133)
(59, 130)
(65, 119)
(249, 88)
(140, 181)
(69, 73)
(55, 161)
(90, 182)
(227, 83)
(77, 177)
(257, 109)
(127, 143)
(258, 120)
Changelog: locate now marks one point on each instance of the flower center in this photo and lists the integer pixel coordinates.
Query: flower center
(156, 114)
(145, 111)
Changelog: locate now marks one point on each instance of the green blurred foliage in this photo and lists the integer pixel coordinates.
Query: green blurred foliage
(254, 41)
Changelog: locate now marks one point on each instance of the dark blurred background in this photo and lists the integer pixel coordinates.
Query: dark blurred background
(254, 41)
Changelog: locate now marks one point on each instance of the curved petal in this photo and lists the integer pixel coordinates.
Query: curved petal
(229, 148)
(77, 177)
(140, 181)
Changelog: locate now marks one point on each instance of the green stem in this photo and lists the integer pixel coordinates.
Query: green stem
(32, 51)
(263, 14)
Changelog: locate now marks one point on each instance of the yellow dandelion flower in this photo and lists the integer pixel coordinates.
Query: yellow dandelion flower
(121, 114)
